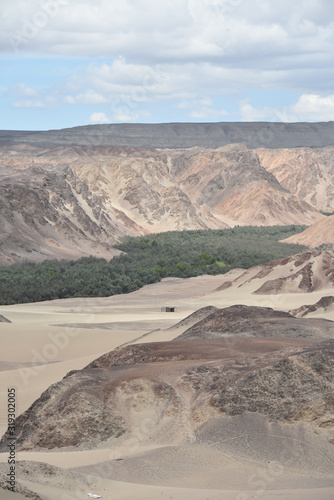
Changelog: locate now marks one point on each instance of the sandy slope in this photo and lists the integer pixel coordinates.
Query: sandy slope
(90, 327)
(317, 234)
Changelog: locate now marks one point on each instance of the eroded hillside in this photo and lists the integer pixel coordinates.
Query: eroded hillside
(79, 200)
(306, 172)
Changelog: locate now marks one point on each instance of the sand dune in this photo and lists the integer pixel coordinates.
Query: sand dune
(323, 305)
(306, 272)
(319, 233)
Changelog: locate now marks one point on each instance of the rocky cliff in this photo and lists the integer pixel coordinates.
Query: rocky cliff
(307, 173)
(74, 201)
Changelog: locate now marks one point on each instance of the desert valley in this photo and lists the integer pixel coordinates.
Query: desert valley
(215, 386)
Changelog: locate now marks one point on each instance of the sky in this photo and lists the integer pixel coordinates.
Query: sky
(65, 63)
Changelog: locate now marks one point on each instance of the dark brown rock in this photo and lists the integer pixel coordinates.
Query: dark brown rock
(169, 384)
(256, 322)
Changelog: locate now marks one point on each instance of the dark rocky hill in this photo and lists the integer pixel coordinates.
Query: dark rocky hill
(248, 321)
(178, 386)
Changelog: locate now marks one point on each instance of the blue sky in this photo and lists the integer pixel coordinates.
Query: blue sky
(65, 63)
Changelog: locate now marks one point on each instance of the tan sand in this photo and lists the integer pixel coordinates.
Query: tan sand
(63, 335)
(111, 490)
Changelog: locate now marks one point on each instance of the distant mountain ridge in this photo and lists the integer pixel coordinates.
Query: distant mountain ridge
(181, 135)
(75, 192)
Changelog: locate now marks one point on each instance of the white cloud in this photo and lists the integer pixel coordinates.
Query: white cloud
(186, 50)
(251, 114)
(206, 101)
(203, 109)
(131, 83)
(308, 108)
(208, 114)
(125, 116)
(127, 84)
(314, 107)
(28, 103)
(88, 97)
(183, 105)
(122, 115)
(99, 118)
(69, 99)
(232, 33)
(21, 90)
(121, 77)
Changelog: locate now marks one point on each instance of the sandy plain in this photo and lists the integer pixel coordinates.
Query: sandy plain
(47, 340)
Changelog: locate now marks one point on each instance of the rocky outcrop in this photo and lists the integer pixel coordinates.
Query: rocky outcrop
(173, 388)
(293, 389)
(249, 321)
(324, 304)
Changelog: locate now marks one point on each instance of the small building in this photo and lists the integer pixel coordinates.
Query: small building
(168, 309)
